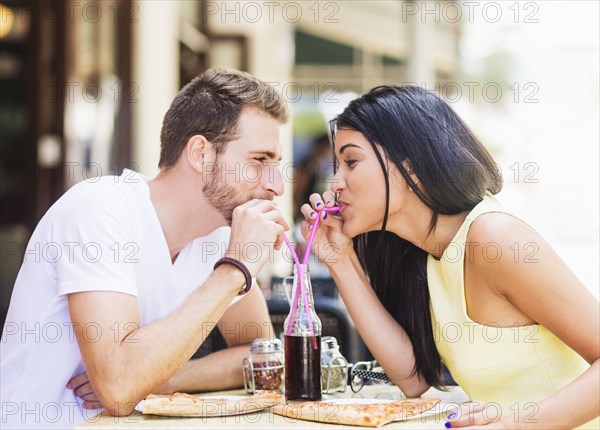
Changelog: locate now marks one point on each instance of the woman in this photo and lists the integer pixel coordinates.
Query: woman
(426, 255)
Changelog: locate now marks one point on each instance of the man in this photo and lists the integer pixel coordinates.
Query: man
(118, 279)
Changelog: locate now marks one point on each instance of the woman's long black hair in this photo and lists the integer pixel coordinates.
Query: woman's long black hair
(454, 171)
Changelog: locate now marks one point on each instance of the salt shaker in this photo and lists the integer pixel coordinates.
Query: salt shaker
(263, 369)
(334, 367)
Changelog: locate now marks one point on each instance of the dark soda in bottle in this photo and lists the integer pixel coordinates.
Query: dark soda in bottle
(302, 368)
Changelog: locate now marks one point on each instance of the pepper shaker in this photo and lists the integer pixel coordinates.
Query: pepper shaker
(263, 369)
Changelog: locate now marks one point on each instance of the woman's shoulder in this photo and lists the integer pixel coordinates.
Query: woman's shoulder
(498, 253)
(499, 227)
(500, 241)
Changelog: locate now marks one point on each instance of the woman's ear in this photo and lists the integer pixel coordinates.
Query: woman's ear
(409, 169)
(198, 151)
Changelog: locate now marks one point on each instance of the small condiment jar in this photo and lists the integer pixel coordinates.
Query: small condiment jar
(263, 369)
(334, 367)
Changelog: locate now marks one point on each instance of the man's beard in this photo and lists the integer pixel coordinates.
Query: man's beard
(225, 197)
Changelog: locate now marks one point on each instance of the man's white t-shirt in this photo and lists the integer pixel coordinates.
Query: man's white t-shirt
(103, 234)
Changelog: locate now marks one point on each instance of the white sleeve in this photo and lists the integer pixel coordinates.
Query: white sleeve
(93, 227)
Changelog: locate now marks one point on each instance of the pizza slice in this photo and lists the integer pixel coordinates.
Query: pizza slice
(186, 405)
(356, 414)
(405, 409)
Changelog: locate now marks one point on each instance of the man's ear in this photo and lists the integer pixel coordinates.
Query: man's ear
(198, 151)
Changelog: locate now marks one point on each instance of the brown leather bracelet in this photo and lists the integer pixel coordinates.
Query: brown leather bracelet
(242, 267)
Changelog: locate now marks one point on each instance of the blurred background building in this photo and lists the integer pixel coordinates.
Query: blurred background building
(85, 85)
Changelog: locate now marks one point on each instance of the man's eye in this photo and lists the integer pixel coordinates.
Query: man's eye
(261, 159)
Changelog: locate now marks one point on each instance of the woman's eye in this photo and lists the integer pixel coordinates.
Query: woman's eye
(261, 159)
(350, 163)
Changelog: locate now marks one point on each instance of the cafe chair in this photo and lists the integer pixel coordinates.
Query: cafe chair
(214, 342)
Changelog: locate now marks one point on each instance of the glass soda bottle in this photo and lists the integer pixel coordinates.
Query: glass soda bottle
(302, 348)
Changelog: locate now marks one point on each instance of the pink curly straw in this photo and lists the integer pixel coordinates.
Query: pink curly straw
(301, 287)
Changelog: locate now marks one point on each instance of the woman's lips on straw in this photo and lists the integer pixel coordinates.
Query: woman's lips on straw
(335, 209)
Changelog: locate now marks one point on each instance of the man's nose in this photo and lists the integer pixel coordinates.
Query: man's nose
(274, 181)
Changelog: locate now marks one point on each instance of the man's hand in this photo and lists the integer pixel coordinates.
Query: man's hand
(257, 227)
(83, 388)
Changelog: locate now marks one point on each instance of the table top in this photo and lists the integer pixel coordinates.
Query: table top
(266, 419)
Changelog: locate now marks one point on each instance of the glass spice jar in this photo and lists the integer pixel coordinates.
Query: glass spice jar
(334, 367)
(263, 369)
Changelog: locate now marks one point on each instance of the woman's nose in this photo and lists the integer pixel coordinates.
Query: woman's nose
(337, 183)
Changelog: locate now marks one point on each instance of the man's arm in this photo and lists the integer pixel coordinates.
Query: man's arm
(243, 322)
(124, 361)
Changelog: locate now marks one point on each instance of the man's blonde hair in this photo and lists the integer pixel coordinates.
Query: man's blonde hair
(210, 105)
